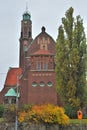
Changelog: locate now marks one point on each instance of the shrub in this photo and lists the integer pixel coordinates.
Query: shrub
(10, 113)
(48, 114)
(1, 110)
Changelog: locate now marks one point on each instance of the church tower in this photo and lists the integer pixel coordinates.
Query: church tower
(25, 38)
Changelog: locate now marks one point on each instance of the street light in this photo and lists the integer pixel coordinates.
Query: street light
(16, 118)
(17, 96)
(17, 92)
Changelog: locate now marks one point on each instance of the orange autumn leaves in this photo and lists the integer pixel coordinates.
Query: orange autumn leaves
(44, 114)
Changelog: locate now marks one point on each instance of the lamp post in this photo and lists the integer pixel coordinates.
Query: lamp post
(16, 118)
(17, 91)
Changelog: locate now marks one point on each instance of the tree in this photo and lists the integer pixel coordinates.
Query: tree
(71, 60)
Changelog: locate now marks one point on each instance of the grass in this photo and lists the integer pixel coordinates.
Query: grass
(71, 121)
(77, 121)
(1, 120)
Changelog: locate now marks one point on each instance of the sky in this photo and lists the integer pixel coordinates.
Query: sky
(46, 13)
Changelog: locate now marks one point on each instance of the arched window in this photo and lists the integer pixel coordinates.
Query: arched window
(42, 84)
(34, 84)
(49, 84)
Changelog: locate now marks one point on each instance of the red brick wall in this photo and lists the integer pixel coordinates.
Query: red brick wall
(38, 94)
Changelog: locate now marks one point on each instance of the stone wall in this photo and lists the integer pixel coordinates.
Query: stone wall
(26, 126)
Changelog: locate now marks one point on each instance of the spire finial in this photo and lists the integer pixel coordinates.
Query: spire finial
(27, 6)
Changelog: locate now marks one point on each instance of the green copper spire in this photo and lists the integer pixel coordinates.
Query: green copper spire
(26, 15)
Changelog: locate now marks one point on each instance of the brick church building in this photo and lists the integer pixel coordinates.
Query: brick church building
(34, 81)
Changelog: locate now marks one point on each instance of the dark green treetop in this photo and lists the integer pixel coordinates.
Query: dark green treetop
(71, 60)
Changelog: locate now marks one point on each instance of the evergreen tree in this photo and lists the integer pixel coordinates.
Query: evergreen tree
(71, 60)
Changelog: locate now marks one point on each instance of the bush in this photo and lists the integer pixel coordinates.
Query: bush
(1, 110)
(48, 114)
(25, 107)
(10, 113)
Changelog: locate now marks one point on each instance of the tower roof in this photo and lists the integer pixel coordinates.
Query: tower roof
(26, 15)
(11, 93)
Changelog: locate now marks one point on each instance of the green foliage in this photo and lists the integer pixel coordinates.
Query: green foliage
(71, 111)
(10, 113)
(25, 107)
(2, 120)
(76, 121)
(71, 62)
(1, 110)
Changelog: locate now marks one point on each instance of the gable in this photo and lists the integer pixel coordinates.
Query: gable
(43, 41)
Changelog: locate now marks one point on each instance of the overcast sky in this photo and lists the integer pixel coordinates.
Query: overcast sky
(46, 13)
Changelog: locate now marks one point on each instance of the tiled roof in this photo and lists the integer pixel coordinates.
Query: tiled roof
(42, 52)
(11, 79)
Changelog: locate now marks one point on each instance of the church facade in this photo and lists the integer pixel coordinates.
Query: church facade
(35, 79)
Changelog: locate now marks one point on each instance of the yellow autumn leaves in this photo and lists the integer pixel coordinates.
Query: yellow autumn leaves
(44, 114)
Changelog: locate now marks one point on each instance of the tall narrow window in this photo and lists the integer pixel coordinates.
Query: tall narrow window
(44, 66)
(29, 34)
(25, 34)
(39, 66)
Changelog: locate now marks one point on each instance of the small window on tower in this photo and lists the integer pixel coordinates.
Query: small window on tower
(25, 32)
(29, 34)
(21, 34)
